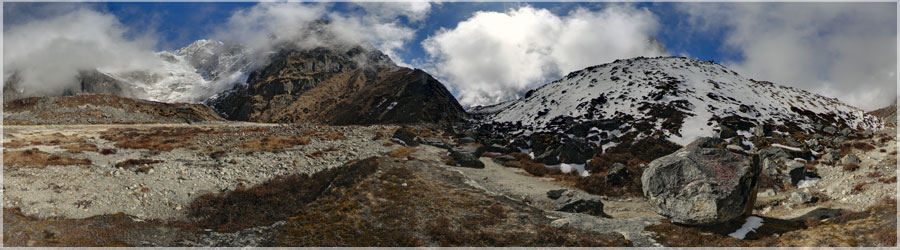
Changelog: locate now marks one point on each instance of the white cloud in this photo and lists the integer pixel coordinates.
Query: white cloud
(267, 27)
(842, 50)
(47, 54)
(494, 56)
(48, 44)
(414, 11)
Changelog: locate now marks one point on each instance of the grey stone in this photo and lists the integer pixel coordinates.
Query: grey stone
(467, 156)
(503, 159)
(555, 194)
(618, 174)
(850, 159)
(802, 197)
(701, 184)
(846, 131)
(405, 135)
(758, 131)
(572, 201)
(838, 140)
(726, 133)
(831, 157)
(437, 142)
(464, 140)
(830, 130)
(812, 142)
(796, 170)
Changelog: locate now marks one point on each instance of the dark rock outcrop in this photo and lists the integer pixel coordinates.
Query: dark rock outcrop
(467, 155)
(572, 201)
(406, 136)
(354, 87)
(702, 183)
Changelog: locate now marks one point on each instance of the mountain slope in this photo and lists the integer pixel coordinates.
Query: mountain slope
(190, 74)
(328, 85)
(101, 109)
(888, 114)
(668, 97)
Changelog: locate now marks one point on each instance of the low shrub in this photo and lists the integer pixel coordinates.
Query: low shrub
(402, 152)
(533, 168)
(274, 200)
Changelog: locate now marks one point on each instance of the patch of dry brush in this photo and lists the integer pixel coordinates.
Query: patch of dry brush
(38, 159)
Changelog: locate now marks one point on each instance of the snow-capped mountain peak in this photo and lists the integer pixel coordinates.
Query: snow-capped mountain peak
(190, 74)
(674, 97)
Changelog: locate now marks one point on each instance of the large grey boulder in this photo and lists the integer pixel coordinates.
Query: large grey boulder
(702, 183)
(406, 136)
(467, 155)
(572, 201)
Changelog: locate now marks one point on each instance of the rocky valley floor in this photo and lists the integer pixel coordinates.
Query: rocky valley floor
(249, 184)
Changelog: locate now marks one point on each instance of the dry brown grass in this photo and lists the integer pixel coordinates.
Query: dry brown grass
(888, 180)
(79, 147)
(157, 139)
(859, 187)
(403, 152)
(46, 140)
(272, 143)
(108, 151)
(323, 135)
(274, 200)
(533, 168)
(407, 205)
(387, 144)
(334, 136)
(39, 159)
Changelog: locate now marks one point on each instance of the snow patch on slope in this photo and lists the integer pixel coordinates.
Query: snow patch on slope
(702, 90)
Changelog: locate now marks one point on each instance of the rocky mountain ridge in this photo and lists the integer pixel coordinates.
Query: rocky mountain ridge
(327, 85)
(675, 98)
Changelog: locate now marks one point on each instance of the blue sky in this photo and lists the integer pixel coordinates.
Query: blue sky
(842, 50)
(181, 23)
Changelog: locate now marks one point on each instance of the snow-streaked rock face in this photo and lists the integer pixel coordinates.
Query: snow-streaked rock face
(678, 98)
(190, 74)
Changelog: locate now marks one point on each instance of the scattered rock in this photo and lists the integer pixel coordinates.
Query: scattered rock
(437, 142)
(850, 159)
(796, 170)
(701, 183)
(503, 159)
(572, 201)
(801, 197)
(618, 174)
(465, 140)
(406, 136)
(726, 133)
(555, 194)
(830, 130)
(467, 156)
(846, 132)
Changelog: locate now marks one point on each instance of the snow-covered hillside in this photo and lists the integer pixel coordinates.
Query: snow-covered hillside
(678, 98)
(190, 74)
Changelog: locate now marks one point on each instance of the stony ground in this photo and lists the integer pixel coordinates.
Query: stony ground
(219, 159)
(134, 185)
